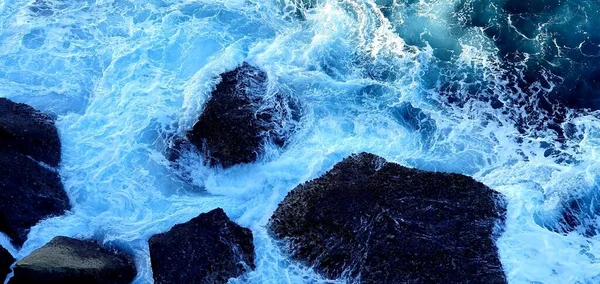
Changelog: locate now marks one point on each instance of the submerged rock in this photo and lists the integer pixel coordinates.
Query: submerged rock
(240, 117)
(67, 260)
(30, 188)
(6, 260)
(577, 211)
(208, 249)
(380, 222)
(415, 120)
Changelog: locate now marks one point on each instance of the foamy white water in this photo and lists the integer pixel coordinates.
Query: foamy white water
(125, 77)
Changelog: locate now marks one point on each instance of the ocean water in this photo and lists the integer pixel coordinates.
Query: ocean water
(505, 91)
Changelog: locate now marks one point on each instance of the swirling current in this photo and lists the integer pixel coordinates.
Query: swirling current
(505, 91)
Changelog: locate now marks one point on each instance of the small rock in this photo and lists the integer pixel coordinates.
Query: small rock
(67, 260)
(208, 249)
(240, 117)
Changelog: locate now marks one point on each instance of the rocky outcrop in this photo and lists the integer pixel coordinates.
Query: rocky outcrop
(6, 260)
(241, 116)
(208, 249)
(379, 222)
(67, 260)
(30, 187)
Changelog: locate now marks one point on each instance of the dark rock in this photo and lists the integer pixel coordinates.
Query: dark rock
(240, 117)
(29, 132)
(208, 249)
(379, 222)
(41, 8)
(29, 191)
(67, 260)
(6, 260)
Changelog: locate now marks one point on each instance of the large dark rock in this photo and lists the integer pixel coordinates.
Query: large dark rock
(241, 116)
(379, 222)
(29, 193)
(29, 190)
(208, 249)
(29, 132)
(6, 260)
(67, 260)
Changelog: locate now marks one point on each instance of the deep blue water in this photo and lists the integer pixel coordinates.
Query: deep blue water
(505, 91)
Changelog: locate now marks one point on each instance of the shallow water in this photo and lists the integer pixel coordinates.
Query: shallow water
(422, 83)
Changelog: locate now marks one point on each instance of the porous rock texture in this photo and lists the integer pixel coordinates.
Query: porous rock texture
(371, 221)
(207, 249)
(241, 116)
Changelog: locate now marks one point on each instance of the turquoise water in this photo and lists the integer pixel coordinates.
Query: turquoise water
(493, 89)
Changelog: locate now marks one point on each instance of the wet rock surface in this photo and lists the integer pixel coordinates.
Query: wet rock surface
(67, 260)
(6, 260)
(27, 131)
(30, 187)
(241, 116)
(379, 222)
(208, 249)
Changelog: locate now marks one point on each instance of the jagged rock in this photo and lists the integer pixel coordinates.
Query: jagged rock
(30, 188)
(67, 260)
(379, 222)
(208, 249)
(240, 117)
(6, 260)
